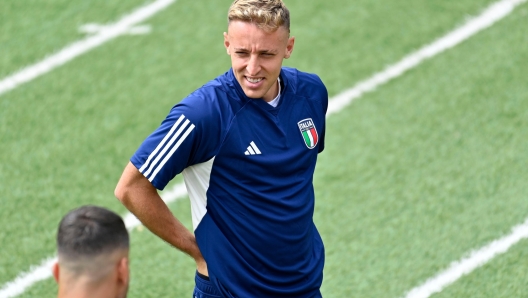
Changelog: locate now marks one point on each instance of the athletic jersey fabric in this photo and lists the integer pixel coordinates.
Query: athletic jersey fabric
(248, 168)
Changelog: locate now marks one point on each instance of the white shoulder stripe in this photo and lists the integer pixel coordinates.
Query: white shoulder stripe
(172, 151)
(162, 143)
(166, 148)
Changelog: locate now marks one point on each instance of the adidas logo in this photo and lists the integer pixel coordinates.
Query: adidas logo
(252, 149)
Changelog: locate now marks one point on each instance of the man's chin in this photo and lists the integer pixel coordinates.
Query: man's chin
(253, 94)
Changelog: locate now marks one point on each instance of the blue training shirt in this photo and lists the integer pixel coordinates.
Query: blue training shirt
(248, 168)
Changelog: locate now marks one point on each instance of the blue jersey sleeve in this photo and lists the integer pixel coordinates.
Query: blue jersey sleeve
(324, 107)
(186, 137)
(314, 86)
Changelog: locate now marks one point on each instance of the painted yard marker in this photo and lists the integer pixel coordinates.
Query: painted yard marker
(491, 15)
(124, 26)
(43, 270)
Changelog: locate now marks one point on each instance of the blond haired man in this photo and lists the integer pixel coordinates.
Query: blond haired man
(246, 144)
(93, 246)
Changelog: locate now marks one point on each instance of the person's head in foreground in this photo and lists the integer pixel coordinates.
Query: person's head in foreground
(93, 247)
(258, 39)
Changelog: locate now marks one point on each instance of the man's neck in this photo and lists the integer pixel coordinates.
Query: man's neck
(275, 102)
(84, 289)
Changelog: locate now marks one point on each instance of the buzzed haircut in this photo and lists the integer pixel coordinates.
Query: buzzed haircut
(90, 231)
(268, 15)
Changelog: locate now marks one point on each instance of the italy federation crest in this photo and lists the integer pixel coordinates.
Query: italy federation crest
(308, 132)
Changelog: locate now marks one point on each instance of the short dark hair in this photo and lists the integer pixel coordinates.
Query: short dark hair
(90, 231)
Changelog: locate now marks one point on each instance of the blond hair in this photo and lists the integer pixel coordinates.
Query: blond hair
(268, 15)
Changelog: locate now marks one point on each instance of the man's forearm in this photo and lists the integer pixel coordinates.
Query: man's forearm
(142, 199)
(157, 217)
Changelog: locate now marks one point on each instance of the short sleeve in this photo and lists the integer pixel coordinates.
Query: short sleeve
(186, 137)
(324, 107)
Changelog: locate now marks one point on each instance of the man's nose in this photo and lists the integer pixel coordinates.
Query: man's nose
(253, 66)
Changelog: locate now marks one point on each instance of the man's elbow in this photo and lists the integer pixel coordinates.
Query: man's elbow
(132, 186)
(121, 192)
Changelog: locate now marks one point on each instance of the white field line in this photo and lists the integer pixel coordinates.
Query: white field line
(488, 17)
(491, 15)
(470, 263)
(80, 47)
(43, 270)
(27, 279)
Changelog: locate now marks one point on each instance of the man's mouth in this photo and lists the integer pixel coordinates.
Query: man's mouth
(254, 80)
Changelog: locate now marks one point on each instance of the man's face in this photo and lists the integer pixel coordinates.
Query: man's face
(256, 57)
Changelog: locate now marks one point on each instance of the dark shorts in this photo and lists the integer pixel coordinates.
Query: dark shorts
(204, 288)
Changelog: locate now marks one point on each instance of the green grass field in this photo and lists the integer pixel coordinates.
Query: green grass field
(414, 176)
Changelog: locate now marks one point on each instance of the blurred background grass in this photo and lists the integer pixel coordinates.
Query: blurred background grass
(414, 175)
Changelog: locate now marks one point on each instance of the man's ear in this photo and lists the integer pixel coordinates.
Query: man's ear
(226, 43)
(55, 269)
(289, 47)
(123, 271)
(122, 276)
